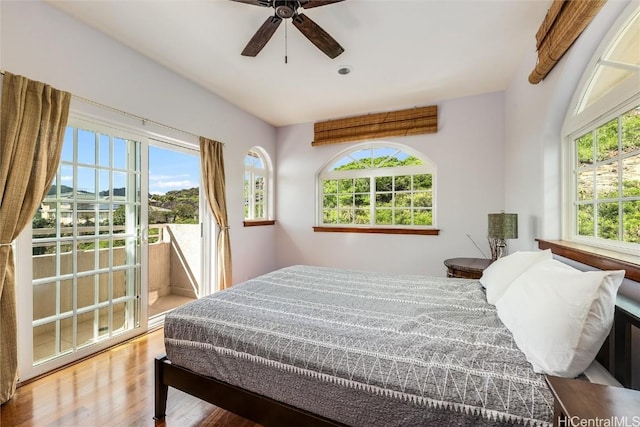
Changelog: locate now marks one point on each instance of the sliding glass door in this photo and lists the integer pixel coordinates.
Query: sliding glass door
(86, 252)
(115, 244)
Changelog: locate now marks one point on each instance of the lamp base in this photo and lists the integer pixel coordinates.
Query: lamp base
(498, 248)
(502, 249)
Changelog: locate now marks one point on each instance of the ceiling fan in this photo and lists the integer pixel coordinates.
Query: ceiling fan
(285, 9)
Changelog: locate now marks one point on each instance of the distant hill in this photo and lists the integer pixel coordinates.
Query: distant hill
(179, 206)
(119, 192)
(183, 206)
(63, 189)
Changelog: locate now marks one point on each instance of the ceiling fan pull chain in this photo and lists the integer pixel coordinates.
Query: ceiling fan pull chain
(285, 42)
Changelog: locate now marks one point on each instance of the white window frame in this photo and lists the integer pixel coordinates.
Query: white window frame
(616, 102)
(428, 167)
(267, 173)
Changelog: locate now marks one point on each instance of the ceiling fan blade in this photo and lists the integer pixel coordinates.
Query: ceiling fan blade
(262, 36)
(317, 36)
(307, 4)
(263, 3)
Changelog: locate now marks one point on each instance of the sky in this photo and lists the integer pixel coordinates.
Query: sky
(172, 170)
(168, 169)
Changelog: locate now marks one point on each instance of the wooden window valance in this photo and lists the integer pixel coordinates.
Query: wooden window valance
(414, 121)
(564, 22)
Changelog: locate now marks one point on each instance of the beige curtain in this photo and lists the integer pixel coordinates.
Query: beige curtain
(34, 117)
(564, 22)
(214, 186)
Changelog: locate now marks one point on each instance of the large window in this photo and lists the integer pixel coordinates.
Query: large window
(257, 186)
(377, 185)
(603, 198)
(607, 178)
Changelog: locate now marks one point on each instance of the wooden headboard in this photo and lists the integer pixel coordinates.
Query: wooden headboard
(616, 354)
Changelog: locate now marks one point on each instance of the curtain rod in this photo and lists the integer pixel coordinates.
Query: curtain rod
(142, 119)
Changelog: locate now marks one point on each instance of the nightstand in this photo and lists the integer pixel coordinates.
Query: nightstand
(466, 268)
(578, 402)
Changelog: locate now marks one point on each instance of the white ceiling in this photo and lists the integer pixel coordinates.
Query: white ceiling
(403, 53)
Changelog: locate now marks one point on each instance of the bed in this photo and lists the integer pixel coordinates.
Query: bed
(319, 346)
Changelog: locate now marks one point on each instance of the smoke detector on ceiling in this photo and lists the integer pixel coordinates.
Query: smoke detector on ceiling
(343, 70)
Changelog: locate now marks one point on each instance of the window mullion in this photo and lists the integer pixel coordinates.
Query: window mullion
(254, 194)
(594, 137)
(372, 201)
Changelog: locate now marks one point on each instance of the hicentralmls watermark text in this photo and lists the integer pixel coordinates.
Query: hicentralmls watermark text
(633, 421)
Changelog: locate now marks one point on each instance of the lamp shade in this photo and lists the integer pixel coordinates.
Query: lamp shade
(503, 226)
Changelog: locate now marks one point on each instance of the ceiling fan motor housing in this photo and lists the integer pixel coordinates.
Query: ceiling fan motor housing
(285, 9)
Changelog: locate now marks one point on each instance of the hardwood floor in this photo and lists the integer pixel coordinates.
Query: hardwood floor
(114, 388)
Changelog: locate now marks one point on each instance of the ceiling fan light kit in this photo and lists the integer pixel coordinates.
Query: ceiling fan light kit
(287, 9)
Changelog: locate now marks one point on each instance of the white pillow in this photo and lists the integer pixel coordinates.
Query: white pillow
(560, 316)
(498, 276)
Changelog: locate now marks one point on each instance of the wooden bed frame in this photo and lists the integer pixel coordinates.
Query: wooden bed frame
(615, 356)
(250, 405)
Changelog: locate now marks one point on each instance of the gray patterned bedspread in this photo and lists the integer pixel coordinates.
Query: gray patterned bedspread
(365, 349)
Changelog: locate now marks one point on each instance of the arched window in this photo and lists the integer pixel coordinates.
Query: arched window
(602, 201)
(383, 185)
(257, 186)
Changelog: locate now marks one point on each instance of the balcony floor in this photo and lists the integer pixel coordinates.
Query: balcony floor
(166, 303)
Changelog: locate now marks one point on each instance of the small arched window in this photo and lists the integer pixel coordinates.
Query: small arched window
(257, 185)
(602, 131)
(382, 185)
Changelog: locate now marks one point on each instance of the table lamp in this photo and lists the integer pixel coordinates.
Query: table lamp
(502, 226)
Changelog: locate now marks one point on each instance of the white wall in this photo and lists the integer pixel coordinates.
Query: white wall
(534, 116)
(468, 151)
(39, 42)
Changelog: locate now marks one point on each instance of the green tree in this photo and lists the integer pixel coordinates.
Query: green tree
(376, 162)
(183, 206)
(119, 216)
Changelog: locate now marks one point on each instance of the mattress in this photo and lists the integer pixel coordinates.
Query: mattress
(364, 349)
